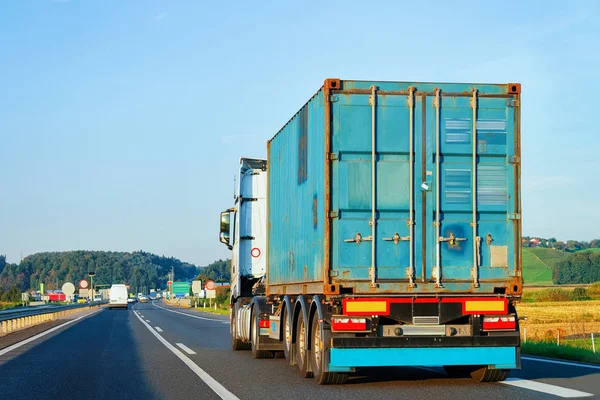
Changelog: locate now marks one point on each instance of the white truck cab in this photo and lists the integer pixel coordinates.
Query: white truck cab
(246, 233)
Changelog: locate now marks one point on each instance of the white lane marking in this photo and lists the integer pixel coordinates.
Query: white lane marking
(188, 315)
(141, 315)
(39, 335)
(209, 380)
(185, 348)
(226, 322)
(546, 388)
(158, 329)
(547, 360)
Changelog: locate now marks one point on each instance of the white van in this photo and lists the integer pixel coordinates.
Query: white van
(117, 297)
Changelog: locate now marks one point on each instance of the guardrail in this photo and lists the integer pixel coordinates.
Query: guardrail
(17, 319)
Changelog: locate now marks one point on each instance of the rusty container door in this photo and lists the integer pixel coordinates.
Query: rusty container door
(472, 195)
(372, 193)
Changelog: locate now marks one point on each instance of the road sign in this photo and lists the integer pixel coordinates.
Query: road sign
(196, 286)
(83, 284)
(211, 294)
(68, 288)
(210, 285)
(84, 293)
(181, 288)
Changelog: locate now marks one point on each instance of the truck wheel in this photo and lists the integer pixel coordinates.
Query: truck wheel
(302, 354)
(236, 344)
(287, 336)
(486, 374)
(256, 337)
(318, 358)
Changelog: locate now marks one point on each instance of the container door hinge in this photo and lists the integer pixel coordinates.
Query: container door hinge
(514, 216)
(514, 273)
(512, 103)
(334, 156)
(333, 274)
(513, 159)
(333, 98)
(334, 214)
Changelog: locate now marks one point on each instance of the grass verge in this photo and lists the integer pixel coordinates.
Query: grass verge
(563, 352)
(220, 311)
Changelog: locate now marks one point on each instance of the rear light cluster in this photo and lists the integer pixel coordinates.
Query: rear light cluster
(500, 323)
(348, 324)
(263, 323)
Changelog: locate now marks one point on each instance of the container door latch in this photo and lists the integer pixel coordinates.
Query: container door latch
(396, 238)
(358, 238)
(452, 240)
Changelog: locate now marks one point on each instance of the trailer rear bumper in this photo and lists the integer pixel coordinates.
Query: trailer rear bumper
(496, 357)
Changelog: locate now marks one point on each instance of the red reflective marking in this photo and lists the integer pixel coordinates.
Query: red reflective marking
(255, 252)
(263, 323)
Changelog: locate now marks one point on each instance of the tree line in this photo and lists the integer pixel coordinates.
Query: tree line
(218, 271)
(138, 269)
(552, 243)
(581, 267)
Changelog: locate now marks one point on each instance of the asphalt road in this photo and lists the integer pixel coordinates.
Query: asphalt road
(157, 352)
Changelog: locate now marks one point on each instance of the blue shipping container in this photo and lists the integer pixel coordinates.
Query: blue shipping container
(382, 187)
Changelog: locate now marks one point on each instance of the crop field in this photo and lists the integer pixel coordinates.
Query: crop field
(567, 319)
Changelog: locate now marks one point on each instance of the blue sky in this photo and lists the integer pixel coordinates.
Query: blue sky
(122, 122)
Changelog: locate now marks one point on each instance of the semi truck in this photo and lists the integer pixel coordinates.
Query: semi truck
(383, 229)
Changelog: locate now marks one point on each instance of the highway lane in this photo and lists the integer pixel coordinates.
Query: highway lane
(208, 336)
(108, 355)
(159, 352)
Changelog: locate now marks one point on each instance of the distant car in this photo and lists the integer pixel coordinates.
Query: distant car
(143, 299)
(97, 297)
(131, 300)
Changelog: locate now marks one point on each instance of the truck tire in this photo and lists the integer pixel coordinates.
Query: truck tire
(302, 354)
(477, 373)
(287, 335)
(236, 344)
(256, 338)
(486, 374)
(318, 358)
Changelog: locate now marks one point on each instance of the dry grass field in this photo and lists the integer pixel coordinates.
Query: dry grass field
(546, 320)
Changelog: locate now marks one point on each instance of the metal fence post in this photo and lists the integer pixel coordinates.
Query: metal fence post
(558, 338)
(593, 344)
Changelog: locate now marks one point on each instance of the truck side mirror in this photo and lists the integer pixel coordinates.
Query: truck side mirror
(225, 226)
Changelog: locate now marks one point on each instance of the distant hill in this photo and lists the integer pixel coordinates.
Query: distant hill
(140, 270)
(539, 263)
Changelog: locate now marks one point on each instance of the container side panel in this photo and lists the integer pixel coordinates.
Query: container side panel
(296, 198)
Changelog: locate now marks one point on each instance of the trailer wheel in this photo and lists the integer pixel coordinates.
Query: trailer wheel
(318, 357)
(236, 344)
(256, 338)
(302, 354)
(477, 373)
(486, 374)
(287, 335)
